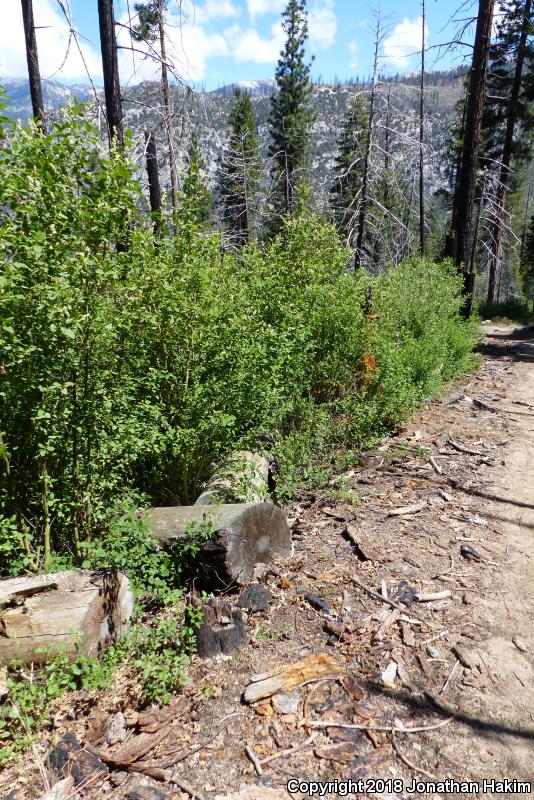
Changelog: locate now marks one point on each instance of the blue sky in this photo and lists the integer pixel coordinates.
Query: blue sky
(215, 42)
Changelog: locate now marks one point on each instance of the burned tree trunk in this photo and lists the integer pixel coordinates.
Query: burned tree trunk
(110, 68)
(154, 188)
(54, 611)
(464, 194)
(33, 62)
(506, 160)
(243, 535)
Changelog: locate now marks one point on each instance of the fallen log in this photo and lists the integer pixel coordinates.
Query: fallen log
(242, 477)
(244, 534)
(75, 612)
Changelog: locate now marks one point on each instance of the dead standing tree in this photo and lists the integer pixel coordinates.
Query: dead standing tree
(110, 68)
(422, 232)
(459, 240)
(379, 35)
(506, 159)
(33, 63)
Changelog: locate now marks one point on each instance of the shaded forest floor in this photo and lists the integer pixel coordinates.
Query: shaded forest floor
(445, 506)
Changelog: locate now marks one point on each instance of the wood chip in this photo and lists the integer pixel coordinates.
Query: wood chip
(343, 752)
(405, 510)
(292, 675)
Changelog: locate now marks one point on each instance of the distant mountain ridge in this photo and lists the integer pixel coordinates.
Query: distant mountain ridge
(55, 95)
(254, 88)
(206, 113)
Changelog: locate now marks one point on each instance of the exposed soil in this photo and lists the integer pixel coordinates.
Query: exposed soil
(463, 665)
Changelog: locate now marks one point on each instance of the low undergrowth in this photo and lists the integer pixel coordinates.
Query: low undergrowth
(512, 310)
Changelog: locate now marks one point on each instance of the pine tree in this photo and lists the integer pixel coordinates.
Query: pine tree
(197, 200)
(240, 173)
(291, 117)
(348, 168)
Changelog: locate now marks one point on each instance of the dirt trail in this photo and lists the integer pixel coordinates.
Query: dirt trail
(507, 608)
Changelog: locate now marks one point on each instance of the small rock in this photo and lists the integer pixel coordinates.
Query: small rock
(520, 644)
(60, 790)
(255, 598)
(318, 603)
(389, 675)
(145, 792)
(433, 651)
(288, 703)
(116, 728)
(405, 594)
(467, 658)
(118, 778)
(68, 757)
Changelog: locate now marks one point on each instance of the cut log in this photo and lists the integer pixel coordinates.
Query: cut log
(244, 535)
(77, 612)
(242, 477)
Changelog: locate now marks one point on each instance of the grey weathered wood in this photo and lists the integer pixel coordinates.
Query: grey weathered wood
(242, 476)
(51, 611)
(244, 535)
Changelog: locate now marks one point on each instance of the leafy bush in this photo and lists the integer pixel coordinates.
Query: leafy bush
(128, 370)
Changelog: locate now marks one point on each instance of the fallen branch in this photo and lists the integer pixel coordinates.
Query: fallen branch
(462, 449)
(451, 673)
(255, 760)
(386, 600)
(406, 761)
(428, 597)
(288, 752)
(332, 723)
(435, 466)
(405, 510)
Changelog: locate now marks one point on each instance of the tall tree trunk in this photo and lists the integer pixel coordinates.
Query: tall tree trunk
(422, 233)
(458, 244)
(110, 68)
(168, 108)
(504, 180)
(362, 211)
(33, 63)
(154, 189)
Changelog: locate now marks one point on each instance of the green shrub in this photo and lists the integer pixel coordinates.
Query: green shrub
(128, 371)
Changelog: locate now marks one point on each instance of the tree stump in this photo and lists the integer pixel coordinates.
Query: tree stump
(244, 534)
(55, 611)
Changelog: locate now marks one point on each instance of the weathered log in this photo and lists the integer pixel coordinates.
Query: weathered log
(80, 611)
(243, 476)
(244, 534)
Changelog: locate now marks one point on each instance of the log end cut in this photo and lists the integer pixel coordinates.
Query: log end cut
(245, 534)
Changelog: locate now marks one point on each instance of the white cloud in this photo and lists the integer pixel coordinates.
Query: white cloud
(404, 42)
(188, 47)
(258, 7)
(248, 45)
(213, 9)
(52, 44)
(322, 25)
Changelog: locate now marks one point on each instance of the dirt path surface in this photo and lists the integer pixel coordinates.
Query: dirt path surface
(443, 509)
